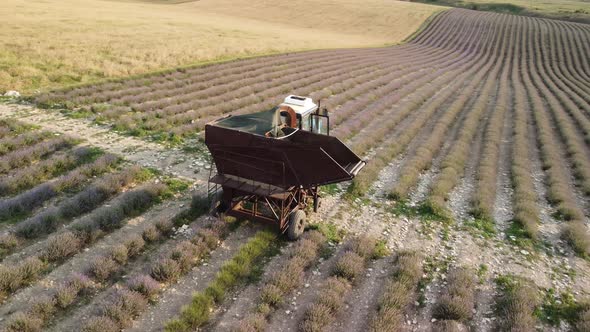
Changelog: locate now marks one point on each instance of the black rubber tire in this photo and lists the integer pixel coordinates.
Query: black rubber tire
(222, 207)
(297, 221)
(218, 205)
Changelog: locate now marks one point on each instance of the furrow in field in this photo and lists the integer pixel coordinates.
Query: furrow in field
(580, 52)
(573, 66)
(420, 192)
(400, 110)
(577, 152)
(426, 152)
(28, 155)
(46, 256)
(532, 212)
(48, 169)
(373, 112)
(220, 82)
(239, 270)
(64, 300)
(396, 143)
(21, 206)
(558, 97)
(12, 143)
(463, 149)
(285, 273)
(137, 276)
(348, 109)
(346, 274)
(279, 320)
(122, 87)
(63, 212)
(240, 86)
(74, 259)
(363, 301)
(261, 105)
(402, 133)
(243, 95)
(557, 64)
(456, 305)
(489, 168)
(342, 93)
(560, 194)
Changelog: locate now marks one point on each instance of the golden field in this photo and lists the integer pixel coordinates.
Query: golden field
(49, 43)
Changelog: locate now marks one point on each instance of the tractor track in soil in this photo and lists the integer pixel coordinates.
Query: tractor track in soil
(362, 302)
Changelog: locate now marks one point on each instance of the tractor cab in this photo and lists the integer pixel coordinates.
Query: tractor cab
(302, 113)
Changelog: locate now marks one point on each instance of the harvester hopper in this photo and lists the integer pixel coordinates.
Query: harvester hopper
(270, 164)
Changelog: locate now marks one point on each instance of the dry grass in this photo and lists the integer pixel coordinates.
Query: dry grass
(583, 323)
(151, 234)
(103, 267)
(446, 326)
(125, 306)
(44, 309)
(134, 245)
(281, 283)
(347, 270)
(55, 43)
(23, 322)
(252, 323)
(517, 303)
(145, 285)
(526, 213)
(145, 289)
(101, 324)
(349, 266)
(62, 246)
(323, 311)
(120, 254)
(237, 271)
(576, 233)
(166, 270)
(29, 269)
(458, 301)
(398, 293)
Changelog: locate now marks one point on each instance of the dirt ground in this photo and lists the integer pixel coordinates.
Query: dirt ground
(442, 247)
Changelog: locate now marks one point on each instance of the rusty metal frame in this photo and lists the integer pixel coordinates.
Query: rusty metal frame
(279, 208)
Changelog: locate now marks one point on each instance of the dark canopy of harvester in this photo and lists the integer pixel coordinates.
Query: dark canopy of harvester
(256, 123)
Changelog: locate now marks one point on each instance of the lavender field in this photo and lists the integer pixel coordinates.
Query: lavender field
(472, 212)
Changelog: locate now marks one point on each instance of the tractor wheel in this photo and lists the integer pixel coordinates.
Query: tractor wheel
(218, 205)
(296, 224)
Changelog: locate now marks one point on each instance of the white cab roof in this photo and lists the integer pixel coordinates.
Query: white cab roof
(301, 105)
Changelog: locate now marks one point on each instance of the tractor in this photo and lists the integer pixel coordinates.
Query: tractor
(269, 165)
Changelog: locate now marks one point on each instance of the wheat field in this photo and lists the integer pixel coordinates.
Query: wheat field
(48, 44)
